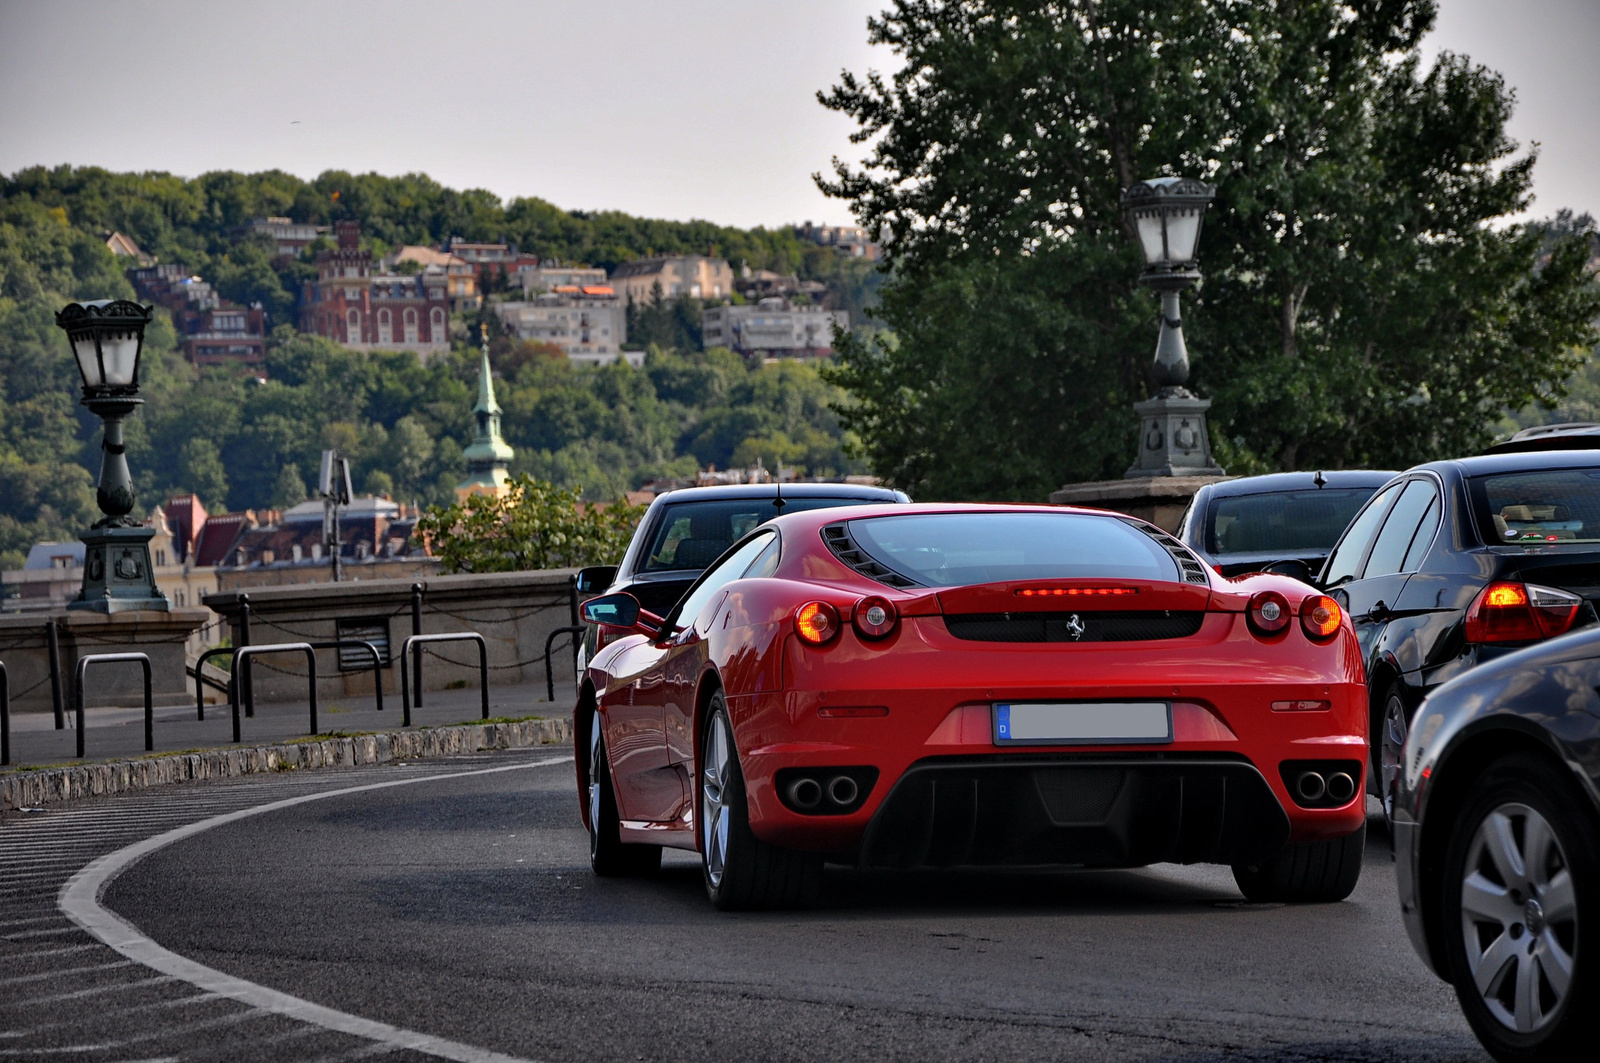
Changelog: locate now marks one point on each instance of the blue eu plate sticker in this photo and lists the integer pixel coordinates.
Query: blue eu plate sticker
(1002, 721)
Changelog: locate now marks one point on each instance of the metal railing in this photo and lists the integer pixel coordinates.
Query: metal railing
(414, 643)
(576, 631)
(116, 658)
(241, 675)
(249, 699)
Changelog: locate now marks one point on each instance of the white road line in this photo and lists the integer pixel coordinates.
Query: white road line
(79, 900)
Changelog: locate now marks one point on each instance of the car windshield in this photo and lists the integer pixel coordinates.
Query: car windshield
(691, 535)
(1283, 522)
(958, 549)
(1544, 506)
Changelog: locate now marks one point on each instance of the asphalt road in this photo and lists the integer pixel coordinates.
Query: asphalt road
(464, 908)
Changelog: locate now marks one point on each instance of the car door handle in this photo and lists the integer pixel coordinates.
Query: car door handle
(1379, 611)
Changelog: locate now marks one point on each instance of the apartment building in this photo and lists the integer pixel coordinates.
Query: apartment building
(366, 307)
(772, 328)
(693, 275)
(588, 323)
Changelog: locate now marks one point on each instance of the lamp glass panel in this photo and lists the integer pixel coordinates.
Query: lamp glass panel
(121, 351)
(1183, 232)
(1148, 223)
(88, 364)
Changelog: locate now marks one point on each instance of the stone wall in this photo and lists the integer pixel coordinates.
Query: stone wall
(161, 636)
(514, 611)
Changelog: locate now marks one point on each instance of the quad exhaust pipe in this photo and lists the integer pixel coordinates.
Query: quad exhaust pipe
(1341, 787)
(825, 791)
(1310, 786)
(842, 790)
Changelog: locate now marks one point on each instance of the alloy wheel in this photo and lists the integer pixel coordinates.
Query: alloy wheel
(1519, 917)
(595, 766)
(1392, 745)
(714, 813)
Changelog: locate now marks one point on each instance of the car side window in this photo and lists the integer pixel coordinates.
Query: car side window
(1352, 548)
(1424, 537)
(732, 567)
(1405, 519)
(766, 563)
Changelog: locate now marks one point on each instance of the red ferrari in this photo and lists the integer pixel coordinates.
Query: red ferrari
(975, 686)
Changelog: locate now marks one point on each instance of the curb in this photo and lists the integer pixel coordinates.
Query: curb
(30, 789)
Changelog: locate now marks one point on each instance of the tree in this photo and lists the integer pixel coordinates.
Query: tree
(536, 526)
(1359, 304)
(200, 468)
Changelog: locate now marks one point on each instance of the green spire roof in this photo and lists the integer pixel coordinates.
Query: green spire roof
(489, 454)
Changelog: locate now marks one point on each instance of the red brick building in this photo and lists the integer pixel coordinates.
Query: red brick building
(211, 330)
(359, 304)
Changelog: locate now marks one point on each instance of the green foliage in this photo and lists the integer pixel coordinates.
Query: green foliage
(1359, 307)
(537, 525)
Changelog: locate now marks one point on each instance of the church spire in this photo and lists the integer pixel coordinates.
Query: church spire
(489, 454)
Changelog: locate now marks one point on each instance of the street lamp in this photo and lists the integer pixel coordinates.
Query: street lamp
(107, 337)
(1167, 213)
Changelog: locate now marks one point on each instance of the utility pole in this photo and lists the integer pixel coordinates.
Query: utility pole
(334, 487)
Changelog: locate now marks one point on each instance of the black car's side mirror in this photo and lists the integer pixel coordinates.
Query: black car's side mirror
(1293, 568)
(621, 610)
(596, 578)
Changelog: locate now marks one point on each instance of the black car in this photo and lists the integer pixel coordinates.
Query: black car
(684, 531)
(1497, 847)
(1246, 524)
(1456, 563)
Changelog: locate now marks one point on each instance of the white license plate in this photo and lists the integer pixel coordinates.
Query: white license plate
(1079, 722)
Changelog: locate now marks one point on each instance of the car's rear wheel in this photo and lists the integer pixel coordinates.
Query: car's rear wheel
(1306, 872)
(1388, 746)
(608, 854)
(1522, 870)
(741, 870)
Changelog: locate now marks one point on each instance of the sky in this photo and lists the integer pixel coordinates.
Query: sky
(679, 109)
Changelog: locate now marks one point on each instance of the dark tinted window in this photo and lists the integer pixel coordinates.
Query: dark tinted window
(956, 549)
(1389, 552)
(1282, 522)
(1547, 506)
(691, 535)
(1424, 537)
(1342, 565)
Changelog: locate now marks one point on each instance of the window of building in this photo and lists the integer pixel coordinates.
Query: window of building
(436, 325)
(353, 326)
(385, 326)
(411, 324)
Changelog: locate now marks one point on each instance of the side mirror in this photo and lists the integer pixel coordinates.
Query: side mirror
(1293, 568)
(596, 578)
(620, 610)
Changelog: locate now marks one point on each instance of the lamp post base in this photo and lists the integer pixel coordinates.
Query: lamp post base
(1173, 439)
(117, 575)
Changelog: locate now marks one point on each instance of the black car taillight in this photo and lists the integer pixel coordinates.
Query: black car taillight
(1509, 611)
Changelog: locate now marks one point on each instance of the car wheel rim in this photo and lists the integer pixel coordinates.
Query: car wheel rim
(713, 807)
(594, 786)
(1393, 744)
(1519, 917)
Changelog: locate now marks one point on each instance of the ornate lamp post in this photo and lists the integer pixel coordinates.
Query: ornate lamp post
(1167, 213)
(107, 337)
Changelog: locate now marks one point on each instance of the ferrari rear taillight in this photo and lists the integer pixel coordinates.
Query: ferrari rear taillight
(875, 617)
(816, 622)
(1320, 617)
(1507, 611)
(1269, 613)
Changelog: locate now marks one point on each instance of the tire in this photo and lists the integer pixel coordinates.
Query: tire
(741, 871)
(1306, 872)
(1390, 724)
(609, 856)
(1512, 936)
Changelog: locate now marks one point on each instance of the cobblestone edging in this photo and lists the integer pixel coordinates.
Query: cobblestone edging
(28, 789)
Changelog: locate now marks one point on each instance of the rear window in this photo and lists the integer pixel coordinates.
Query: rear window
(1544, 506)
(957, 549)
(691, 535)
(1283, 522)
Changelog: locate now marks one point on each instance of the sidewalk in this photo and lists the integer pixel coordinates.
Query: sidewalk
(118, 733)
